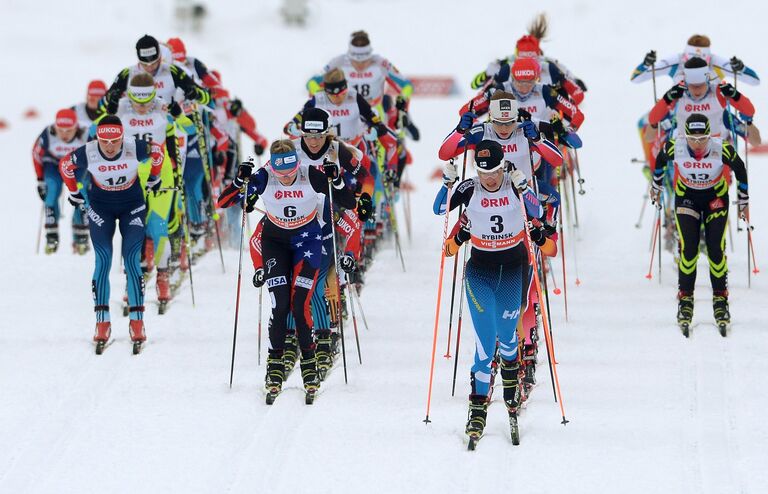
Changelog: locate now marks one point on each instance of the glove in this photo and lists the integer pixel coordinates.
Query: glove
(519, 180)
(331, 169)
(401, 103)
(729, 91)
(502, 75)
(538, 235)
(531, 131)
(112, 102)
(743, 203)
(42, 189)
(581, 84)
(523, 114)
(219, 158)
(466, 122)
(450, 173)
(236, 107)
(175, 109)
(250, 202)
(674, 93)
(364, 207)
(76, 198)
(656, 194)
(451, 247)
(258, 149)
(153, 183)
(244, 171)
(650, 58)
(347, 263)
(736, 64)
(258, 278)
(292, 129)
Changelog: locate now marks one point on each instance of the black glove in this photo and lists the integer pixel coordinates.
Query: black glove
(175, 109)
(258, 149)
(736, 64)
(258, 278)
(190, 92)
(538, 235)
(42, 189)
(244, 171)
(347, 263)
(76, 199)
(729, 91)
(250, 202)
(389, 176)
(153, 183)
(112, 102)
(674, 93)
(401, 103)
(650, 58)
(364, 207)
(581, 84)
(523, 115)
(557, 126)
(235, 107)
(331, 169)
(219, 158)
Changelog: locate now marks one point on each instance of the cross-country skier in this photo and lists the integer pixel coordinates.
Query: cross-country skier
(699, 93)
(88, 111)
(291, 247)
(167, 77)
(701, 198)
(53, 144)
(495, 272)
(697, 46)
(553, 72)
(114, 195)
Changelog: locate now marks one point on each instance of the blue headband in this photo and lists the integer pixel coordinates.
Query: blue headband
(284, 162)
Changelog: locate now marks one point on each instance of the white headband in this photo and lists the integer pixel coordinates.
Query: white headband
(698, 75)
(360, 53)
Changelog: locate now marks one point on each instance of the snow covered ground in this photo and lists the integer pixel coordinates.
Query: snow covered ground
(649, 410)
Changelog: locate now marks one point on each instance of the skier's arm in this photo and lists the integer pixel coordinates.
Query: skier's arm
(563, 104)
(350, 162)
(233, 193)
(746, 75)
(191, 90)
(728, 94)
(248, 125)
(110, 100)
(454, 144)
(733, 160)
(548, 151)
(208, 79)
(255, 245)
(70, 164)
(38, 152)
(666, 153)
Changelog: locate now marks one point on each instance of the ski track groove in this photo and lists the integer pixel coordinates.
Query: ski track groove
(692, 481)
(734, 451)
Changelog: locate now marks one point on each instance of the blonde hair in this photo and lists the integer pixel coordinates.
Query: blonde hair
(334, 75)
(699, 41)
(281, 146)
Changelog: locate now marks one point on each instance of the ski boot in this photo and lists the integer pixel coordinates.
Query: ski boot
(51, 240)
(275, 375)
(101, 338)
(722, 314)
(510, 379)
(323, 352)
(685, 312)
(80, 240)
(138, 336)
(309, 374)
(529, 368)
(478, 411)
(291, 353)
(163, 289)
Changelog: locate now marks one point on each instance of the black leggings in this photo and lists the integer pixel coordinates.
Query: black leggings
(691, 211)
(291, 263)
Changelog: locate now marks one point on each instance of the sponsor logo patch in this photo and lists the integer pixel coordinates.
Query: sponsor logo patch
(276, 281)
(304, 282)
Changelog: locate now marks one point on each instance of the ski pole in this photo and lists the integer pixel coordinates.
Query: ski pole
(40, 228)
(338, 283)
(569, 174)
(578, 172)
(356, 297)
(549, 357)
(258, 358)
(562, 260)
(178, 184)
(547, 333)
(239, 278)
(458, 325)
(656, 227)
(642, 209)
(556, 290)
(354, 319)
(437, 306)
(393, 223)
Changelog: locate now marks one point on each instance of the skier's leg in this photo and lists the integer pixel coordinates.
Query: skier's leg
(102, 228)
(482, 307)
(133, 232)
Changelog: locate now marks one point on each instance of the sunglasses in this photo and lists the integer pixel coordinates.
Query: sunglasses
(698, 139)
(508, 123)
(315, 137)
(116, 140)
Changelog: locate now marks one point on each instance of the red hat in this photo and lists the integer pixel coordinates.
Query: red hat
(528, 46)
(109, 127)
(525, 69)
(97, 88)
(178, 49)
(66, 119)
